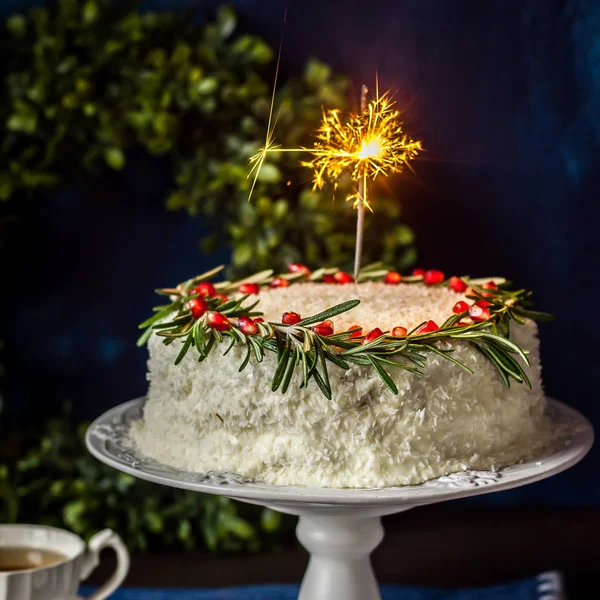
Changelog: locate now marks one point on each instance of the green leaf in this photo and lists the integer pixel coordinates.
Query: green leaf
(206, 86)
(246, 360)
(25, 122)
(316, 73)
(184, 348)
(141, 341)
(242, 254)
(17, 25)
(330, 312)
(404, 235)
(114, 158)
(269, 173)
(289, 372)
(227, 20)
(90, 11)
(156, 317)
(270, 520)
(237, 526)
(281, 368)
(384, 375)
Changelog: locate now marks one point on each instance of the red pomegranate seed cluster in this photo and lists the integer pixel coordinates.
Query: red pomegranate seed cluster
(249, 288)
(372, 335)
(205, 290)
(477, 312)
(392, 277)
(248, 325)
(198, 306)
(290, 318)
(324, 329)
(298, 268)
(356, 331)
(279, 282)
(399, 332)
(433, 277)
(457, 284)
(427, 327)
(217, 321)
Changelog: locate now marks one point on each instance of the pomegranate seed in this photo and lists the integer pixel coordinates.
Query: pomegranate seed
(298, 268)
(325, 328)
(357, 332)
(218, 321)
(483, 303)
(279, 282)
(343, 277)
(259, 320)
(205, 289)
(457, 284)
(372, 335)
(399, 332)
(249, 288)
(198, 307)
(432, 277)
(460, 307)
(392, 277)
(247, 325)
(221, 297)
(428, 327)
(490, 285)
(479, 313)
(420, 272)
(290, 318)
(328, 279)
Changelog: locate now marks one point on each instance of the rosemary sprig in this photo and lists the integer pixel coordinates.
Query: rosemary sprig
(300, 349)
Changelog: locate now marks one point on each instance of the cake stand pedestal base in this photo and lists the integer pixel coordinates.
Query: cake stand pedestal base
(340, 564)
(340, 540)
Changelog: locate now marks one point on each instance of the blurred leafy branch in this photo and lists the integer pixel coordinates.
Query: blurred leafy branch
(86, 81)
(89, 79)
(56, 482)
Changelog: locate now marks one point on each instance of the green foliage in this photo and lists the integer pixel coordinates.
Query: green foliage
(58, 483)
(88, 80)
(83, 83)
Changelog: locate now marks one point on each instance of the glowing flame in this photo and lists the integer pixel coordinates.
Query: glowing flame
(369, 149)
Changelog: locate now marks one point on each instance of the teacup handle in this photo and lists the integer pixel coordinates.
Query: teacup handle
(106, 539)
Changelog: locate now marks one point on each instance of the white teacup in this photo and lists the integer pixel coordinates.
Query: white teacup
(59, 581)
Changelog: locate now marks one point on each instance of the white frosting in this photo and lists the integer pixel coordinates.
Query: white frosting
(208, 416)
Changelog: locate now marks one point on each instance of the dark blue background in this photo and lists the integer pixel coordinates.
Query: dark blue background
(505, 95)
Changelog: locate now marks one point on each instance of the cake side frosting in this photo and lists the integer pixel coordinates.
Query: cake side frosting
(208, 416)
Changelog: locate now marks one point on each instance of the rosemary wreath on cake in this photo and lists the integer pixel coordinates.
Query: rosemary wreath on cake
(201, 313)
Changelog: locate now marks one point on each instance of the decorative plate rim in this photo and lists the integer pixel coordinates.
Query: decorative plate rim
(106, 439)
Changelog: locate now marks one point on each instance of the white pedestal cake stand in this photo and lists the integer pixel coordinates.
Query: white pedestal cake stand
(339, 527)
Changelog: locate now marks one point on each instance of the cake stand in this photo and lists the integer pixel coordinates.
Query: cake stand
(339, 527)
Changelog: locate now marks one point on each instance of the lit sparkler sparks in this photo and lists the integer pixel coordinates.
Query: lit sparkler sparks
(366, 145)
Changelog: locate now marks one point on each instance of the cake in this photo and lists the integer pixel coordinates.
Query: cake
(210, 416)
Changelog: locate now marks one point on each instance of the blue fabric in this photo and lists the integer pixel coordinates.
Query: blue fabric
(544, 587)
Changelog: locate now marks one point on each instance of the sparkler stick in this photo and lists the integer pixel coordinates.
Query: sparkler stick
(362, 198)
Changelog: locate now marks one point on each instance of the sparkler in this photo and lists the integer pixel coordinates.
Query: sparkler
(366, 145)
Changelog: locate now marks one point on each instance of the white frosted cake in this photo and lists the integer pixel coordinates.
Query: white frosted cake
(209, 416)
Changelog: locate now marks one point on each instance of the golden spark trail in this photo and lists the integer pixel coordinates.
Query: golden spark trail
(364, 146)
